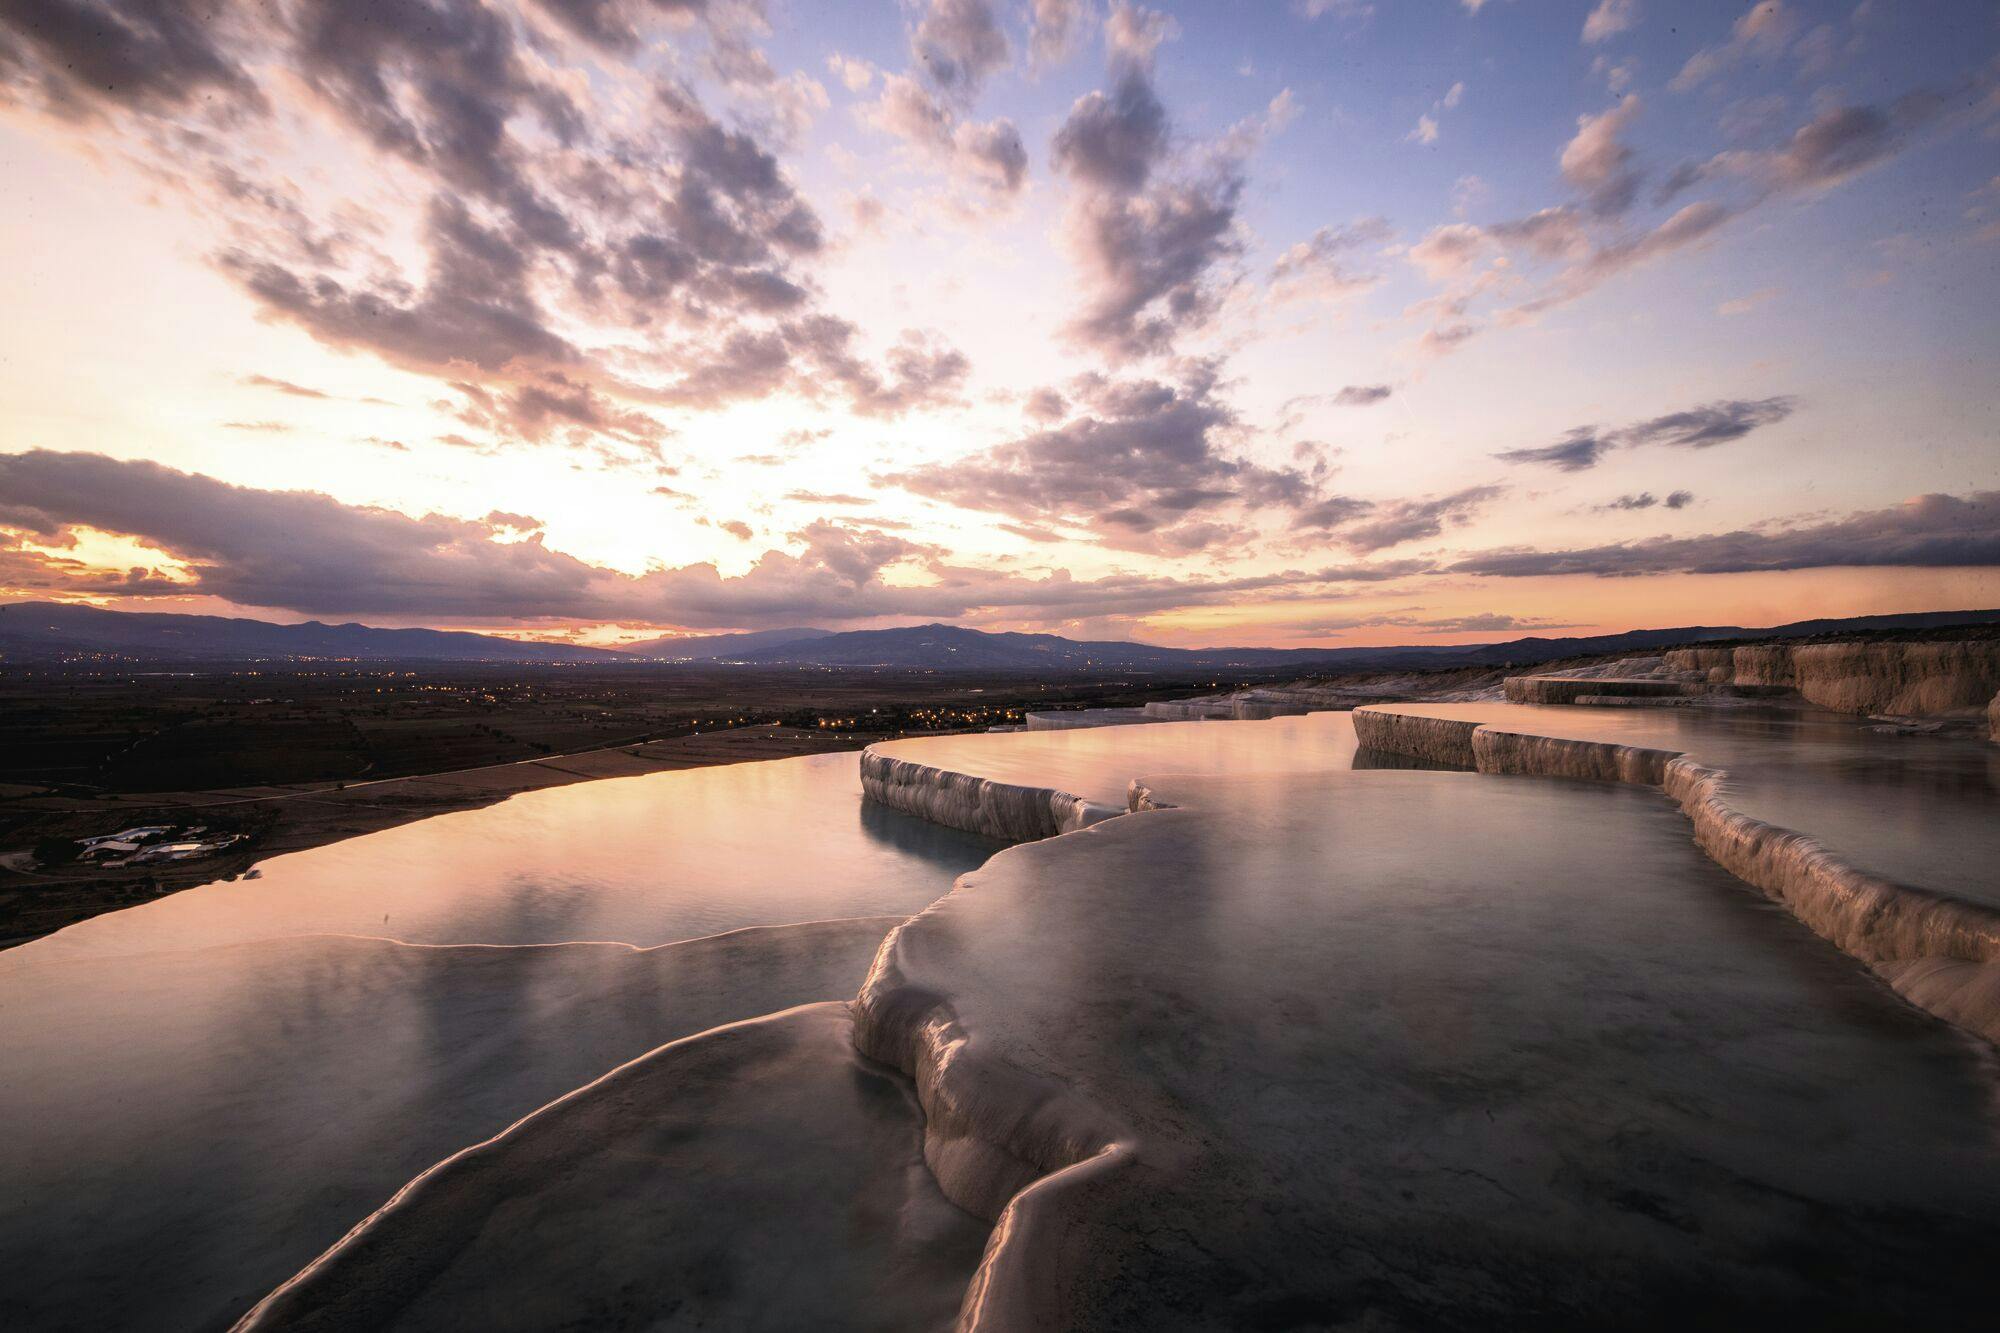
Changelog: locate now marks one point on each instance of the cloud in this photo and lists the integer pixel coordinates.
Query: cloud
(1646, 500)
(1426, 131)
(1149, 235)
(84, 57)
(1368, 525)
(1133, 34)
(1839, 142)
(1054, 30)
(1479, 622)
(545, 206)
(306, 552)
(854, 75)
(1362, 395)
(1928, 532)
(1599, 164)
(1346, 9)
(1318, 268)
(1701, 427)
(1743, 305)
(828, 498)
(1400, 521)
(1764, 29)
(1610, 18)
(1577, 451)
(1140, 466)
(986, 154)
(281, 386)
(1712, 423)
(958, 45)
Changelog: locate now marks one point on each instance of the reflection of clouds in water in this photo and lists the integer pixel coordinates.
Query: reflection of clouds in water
(187, 1129)
(643, 860)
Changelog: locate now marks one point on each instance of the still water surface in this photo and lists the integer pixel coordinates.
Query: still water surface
(204, 1092)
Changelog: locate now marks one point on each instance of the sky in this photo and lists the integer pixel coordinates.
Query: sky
(1287, 322)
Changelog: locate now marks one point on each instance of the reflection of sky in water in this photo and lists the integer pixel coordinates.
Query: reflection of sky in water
(641, 860)
(1100, 763)
(1921, 809)
(203, 1092)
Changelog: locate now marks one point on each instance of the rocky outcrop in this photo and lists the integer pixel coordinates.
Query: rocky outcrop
(1001, 810)
(1904, 679)
(1906, 933)
(1993, 720)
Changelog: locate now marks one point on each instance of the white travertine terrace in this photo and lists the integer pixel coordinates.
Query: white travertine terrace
(1941, 952)
(1905, 679)
(1002, 810)
(760, 1174)
(1293, 1048)
(1333, 1048)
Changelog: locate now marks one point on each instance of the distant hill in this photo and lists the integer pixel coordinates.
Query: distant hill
(953, 647)
(45, 630)
(40, 631)
(709, 647)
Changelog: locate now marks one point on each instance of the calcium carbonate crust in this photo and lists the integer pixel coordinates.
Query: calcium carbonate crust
(1939, 952)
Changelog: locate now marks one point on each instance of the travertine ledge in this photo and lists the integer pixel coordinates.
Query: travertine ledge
(1002, 810)
(1905, 679)
(1940, 952)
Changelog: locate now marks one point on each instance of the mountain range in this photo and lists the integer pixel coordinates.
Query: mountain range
(45, 631)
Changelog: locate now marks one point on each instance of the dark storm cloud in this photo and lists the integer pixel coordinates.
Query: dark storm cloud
(1701, 427)
(307, 552)
(1931, 531)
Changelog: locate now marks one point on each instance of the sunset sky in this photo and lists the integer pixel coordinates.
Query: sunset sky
(1249, 321)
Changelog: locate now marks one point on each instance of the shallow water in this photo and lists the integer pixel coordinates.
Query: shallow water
(642, 860)
(1923, 810)
(1446, 1051)
(1099, 764)
(204, 1092)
